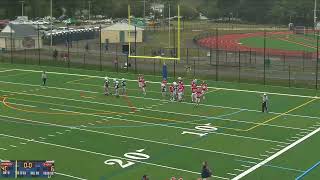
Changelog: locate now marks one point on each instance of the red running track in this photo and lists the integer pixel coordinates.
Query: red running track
(231, 42)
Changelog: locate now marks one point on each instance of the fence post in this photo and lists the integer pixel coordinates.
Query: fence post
(210, 56)
(100, 48)
(284, 61)
(84, 60)
(250, 56)
(25, 56)
(154, 67)
(187, 55)
(38, 44)
(226, 56)
(289, 75)
(217, 69)
(317, 64)
(303, 59)
(239, 64)
(174, 69)
(194, 68)
(264, 57)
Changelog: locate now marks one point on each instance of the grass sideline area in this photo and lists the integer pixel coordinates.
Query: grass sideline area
(293, 42)
(90, 136)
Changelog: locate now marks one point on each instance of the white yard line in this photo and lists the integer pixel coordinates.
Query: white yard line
(102, 154)
(8, 70)
(70, 176)
(276, 155)
(22, 105)
(207, 105)
(139, 139)
(176, 127)
(4, 149)
(13, 146)
(153, 110)
(152, 82)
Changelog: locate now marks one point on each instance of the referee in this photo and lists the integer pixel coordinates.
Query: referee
(44, 78)
(265, 100)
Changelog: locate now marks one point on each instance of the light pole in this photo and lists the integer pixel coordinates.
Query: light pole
(89, 2)
(315, 14)
(22, 7)
(50, 24)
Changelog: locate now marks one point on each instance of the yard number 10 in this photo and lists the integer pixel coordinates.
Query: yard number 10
(205, 129)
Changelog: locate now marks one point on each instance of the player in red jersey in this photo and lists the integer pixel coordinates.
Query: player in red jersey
(164, 88)
(171, 88)
(193, 91)
(180, 91)
(204, 87)
(142, 84)
(198, 95)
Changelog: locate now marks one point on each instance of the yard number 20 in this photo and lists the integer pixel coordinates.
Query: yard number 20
(138, 155)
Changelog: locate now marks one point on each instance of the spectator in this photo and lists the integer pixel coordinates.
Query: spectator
(55, 54)
(206, 173)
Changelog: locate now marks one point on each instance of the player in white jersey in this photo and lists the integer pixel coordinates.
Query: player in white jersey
(124, 86)
(106, 86)
(116, 88)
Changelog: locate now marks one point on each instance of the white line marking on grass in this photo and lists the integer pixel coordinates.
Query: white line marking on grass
(280, 145)
(176, 127)
(102, 154)
(239, 170)
(276, 155)
(269, 152)
(66, 175)
(42, 138)
(23, 143)
(4, 149)
(51, 135)
(91, 124)
(153, 110)
(8, 70)
(68, 130)
(152, 82)
(207, 105)
(12, 146)
(138, 139)
(59, 133)
(22, 105)
(276, 149)
(99, 122)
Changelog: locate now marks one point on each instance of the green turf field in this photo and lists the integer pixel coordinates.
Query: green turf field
(291, 42)
(95, 137)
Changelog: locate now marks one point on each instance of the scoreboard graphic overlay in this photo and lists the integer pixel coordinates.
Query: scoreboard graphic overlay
(28, 169)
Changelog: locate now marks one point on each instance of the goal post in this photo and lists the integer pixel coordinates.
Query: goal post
(177, 49)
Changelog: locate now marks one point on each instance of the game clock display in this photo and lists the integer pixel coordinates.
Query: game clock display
(22, 168)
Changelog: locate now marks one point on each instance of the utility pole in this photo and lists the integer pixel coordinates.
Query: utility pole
(317, 63)
(144, 9)
(169, 25)
(22, 7)
(51, 24)
(89, 2)
(315, 14)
